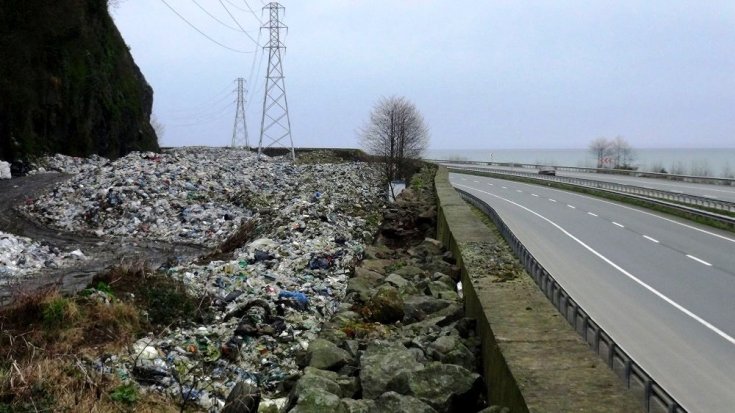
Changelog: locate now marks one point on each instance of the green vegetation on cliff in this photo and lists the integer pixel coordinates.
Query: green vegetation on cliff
(68, 83)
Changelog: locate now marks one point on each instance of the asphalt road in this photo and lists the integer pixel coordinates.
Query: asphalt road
(718, 192)
(662, 288)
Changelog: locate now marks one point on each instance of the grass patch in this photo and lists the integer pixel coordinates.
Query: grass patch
(47, 342)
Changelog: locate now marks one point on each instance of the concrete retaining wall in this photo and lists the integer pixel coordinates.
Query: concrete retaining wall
(533, 360)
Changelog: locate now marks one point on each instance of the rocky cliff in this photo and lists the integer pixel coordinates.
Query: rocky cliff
(68, 83)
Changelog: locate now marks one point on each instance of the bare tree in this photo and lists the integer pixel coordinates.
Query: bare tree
(621, 153)
(397, 133)
(600, 148)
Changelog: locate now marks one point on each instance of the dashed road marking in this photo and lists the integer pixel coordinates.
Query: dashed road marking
(477, 182)
(651, 239)
(571, 206)
(701, 261)
(504, 187)
(619, 225)
(519, 191)
(534, 195)
(592, 213)
(637, 280)
(552, 200)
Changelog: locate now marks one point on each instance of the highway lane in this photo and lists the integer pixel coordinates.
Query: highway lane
(718, 192)
(661, 287)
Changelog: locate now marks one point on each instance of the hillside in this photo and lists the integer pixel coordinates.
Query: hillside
(68, 83)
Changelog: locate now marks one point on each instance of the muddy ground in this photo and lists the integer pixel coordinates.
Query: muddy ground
(103, 253)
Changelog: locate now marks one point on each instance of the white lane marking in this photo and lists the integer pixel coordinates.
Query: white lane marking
(552, 200)
(534, 195)
(619, 225)
(490, 184)
(504, 187)
(671, 221)
(660, 295)
(651, 239)
(710, 196)
(477, 182)
(592, 213)
(519, 191)
(722, 237)
(699, 260)
(571, 206)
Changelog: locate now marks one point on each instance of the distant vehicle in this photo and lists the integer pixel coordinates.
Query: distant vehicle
(547, 170)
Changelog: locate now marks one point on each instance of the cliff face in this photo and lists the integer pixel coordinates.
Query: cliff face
(68, 83)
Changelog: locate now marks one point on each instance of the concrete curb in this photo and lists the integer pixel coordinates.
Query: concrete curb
(533, 360)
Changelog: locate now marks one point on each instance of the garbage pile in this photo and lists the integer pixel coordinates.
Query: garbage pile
(270, 298)
(5, 170)
(20, 256)
(67, 164)
(193, 195)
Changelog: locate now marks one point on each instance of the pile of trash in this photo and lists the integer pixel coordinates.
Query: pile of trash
(274, 293)
(20, 256)
(196, 195)
(5, 170)
(67, 164)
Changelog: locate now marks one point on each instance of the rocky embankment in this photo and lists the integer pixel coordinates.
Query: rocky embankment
(400, 341)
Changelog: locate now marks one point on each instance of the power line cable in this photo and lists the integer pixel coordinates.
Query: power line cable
(201, 32)
(238, 23)
(215, 17)
(253, 12)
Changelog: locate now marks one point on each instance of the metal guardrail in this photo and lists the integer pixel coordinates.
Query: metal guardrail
(655, 398)
(694, 200)
(627, 172)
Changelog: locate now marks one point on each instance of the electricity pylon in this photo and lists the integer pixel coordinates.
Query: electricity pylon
(275, 126)
(240, 140)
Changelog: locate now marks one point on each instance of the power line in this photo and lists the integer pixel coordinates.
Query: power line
(238, 23)
(201, 32)
(215, 17)
(253, 12)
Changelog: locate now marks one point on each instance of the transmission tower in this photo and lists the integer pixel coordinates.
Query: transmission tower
(275, 125)
(240, 129)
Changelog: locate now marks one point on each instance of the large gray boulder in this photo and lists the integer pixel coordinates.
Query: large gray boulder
(325, 355)
(316, 400)
(380, 363)
(363, 284)
(451, 350)
(386, 305)
(445, 387)
(356, 406)
(394, 402)
(348, 386)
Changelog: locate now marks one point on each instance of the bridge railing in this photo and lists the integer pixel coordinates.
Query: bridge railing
(686, 199)
(638, 174)
(655, 398)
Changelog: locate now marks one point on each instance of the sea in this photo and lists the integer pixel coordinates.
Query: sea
(716, 162)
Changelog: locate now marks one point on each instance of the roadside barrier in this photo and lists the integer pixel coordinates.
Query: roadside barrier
(656, 399)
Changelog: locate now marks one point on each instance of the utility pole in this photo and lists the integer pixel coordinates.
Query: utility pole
(275, 125)
(240, 140)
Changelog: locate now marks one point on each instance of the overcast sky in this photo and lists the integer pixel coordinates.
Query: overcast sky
(485, 74)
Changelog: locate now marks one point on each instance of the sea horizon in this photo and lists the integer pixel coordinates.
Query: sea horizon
(719, 162)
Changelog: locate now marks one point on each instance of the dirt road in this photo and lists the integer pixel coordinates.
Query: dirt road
(102, 252)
